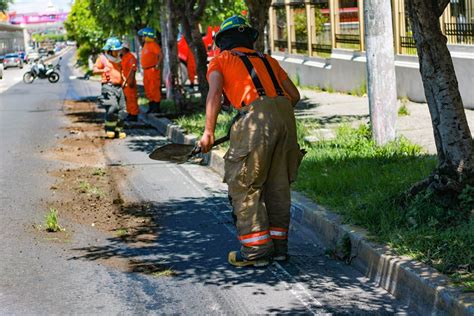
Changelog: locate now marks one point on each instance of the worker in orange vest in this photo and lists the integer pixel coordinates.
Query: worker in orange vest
(129, 68)
(151, 58)
(109, 66)
(264, 155)
(191, 66)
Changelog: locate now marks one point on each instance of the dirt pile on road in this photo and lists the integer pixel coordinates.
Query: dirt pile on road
(87, 189)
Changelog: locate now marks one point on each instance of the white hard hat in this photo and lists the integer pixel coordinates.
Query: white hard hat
(126, 44)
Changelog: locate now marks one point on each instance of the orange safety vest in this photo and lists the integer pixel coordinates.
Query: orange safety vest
(114, 74)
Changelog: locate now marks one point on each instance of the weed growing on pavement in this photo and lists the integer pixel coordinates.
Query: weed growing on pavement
(52, 223)
(312, 88)
(99, 172)
(296, 79)
(364, 183)
(329, 89)
(164, 273)
(360, 91)
(86, 187)
(121, 232)
(403, 109)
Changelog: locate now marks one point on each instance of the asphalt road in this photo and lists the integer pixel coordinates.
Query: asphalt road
(195, 234)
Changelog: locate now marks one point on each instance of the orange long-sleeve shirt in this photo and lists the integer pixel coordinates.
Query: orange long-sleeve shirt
(129, 63)
(150, 54)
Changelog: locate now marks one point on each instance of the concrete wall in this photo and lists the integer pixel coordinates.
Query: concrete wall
(346, 71)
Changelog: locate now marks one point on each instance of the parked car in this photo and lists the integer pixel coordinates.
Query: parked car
(1, 67)
(12, 60)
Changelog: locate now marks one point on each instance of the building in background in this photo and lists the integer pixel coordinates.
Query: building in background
(12, 38)
(42, 27)
(321, 43)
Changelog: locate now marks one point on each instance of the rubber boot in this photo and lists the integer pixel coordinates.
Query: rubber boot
(132, 118)
(237, 260)
(120, 135)
(153, 107)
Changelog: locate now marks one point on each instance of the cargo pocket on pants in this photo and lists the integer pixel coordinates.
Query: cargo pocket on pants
(295, 156)
(236, 169)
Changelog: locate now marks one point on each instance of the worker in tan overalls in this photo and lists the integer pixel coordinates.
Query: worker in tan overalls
(264, 155)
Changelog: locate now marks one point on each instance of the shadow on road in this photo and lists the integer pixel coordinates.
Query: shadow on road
(190, 243)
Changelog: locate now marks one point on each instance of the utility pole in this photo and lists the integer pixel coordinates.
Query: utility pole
(382, 85)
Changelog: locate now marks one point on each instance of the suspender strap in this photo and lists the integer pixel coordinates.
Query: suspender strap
(250, 68)
(278, 89)
(253, 74)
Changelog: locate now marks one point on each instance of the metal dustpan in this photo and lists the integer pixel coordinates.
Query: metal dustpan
(180, 153)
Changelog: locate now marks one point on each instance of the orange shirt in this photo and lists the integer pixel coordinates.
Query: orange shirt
(129, 63)
(114, 70)
(238, 85)
(150, 53)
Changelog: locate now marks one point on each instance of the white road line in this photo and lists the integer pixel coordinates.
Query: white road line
(295, 287)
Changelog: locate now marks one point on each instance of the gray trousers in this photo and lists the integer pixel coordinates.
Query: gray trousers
(113, 100)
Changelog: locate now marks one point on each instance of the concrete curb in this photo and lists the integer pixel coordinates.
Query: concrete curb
(421, 287)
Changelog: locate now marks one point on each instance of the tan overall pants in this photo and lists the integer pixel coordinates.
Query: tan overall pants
(260, 164)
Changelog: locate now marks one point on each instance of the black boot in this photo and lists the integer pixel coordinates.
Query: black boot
(153, 107)
(132, 118)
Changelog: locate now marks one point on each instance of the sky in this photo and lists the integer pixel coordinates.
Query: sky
(28, 6)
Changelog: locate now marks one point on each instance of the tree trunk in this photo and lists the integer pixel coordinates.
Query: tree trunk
(164, 47)
(190, 18)
(382, 85)
(454, 143)
(172, 85)
(258, 18)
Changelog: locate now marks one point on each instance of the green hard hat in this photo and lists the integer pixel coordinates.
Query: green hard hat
(232, 23)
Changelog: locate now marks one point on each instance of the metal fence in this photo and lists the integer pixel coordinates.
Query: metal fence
(407, 45)
(459, 33)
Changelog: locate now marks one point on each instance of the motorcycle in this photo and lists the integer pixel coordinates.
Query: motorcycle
(42, 71)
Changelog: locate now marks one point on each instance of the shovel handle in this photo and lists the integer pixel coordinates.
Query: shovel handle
(218, 141)
(221, 140)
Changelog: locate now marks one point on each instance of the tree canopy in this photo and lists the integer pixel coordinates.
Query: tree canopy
(218, 10)
(123, 17)
(82, 27)
(4, 5)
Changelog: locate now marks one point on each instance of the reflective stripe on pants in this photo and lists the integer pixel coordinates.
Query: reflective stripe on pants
(113, 100)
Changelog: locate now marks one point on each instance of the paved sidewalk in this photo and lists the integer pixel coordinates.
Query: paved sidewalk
(332, 109)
